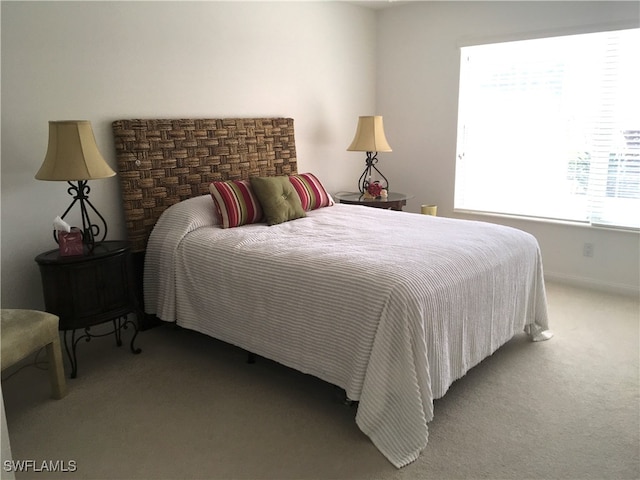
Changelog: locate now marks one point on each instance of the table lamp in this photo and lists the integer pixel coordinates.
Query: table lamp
(73, 156)
(370, 138)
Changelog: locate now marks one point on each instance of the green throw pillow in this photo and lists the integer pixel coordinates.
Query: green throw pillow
(280, 201)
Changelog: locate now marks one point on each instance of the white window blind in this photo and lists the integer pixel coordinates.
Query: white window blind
(550, 128)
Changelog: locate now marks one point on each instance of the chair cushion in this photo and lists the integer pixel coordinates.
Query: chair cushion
(23, 332)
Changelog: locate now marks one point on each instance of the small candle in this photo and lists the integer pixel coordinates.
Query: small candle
(429, 209)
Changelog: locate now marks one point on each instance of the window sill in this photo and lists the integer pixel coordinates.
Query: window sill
(550, 221)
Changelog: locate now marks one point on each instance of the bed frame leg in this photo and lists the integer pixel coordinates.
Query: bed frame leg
(342, 397)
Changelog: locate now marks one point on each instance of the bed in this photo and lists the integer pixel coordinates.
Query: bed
(392, 307)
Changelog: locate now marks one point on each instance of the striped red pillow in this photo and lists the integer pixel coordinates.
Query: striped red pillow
(311, 192)
(235, 203)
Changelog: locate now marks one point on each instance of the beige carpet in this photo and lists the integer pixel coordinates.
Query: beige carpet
(190, 407)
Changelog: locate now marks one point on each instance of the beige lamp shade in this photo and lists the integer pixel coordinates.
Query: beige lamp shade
(72, 153)
(370, 136)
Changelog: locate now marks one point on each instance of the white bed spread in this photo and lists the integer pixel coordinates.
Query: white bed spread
(391, 306)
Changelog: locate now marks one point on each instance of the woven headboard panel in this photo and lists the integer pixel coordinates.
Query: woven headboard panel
(162, 162)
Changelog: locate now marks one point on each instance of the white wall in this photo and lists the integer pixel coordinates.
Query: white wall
(417, 92)
(103, 61)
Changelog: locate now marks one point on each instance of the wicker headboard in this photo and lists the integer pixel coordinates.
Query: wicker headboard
(162, 162)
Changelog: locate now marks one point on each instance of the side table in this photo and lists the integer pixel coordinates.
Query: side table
(393, 200)
(88, 290)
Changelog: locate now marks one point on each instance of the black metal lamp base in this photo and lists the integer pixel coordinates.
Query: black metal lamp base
(365, 178)
(90, 231)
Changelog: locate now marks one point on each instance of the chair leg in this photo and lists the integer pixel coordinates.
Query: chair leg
(56, 369)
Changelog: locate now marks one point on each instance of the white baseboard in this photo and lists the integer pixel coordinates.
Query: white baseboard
(594, 284)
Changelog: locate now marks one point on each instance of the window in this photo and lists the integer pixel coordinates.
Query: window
(550, 128)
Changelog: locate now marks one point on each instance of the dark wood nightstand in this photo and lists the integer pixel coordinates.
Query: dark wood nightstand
(393, 201)
(88, 290)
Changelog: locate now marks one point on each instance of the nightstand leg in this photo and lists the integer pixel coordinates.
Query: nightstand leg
(122, 322)
(71, 352)
(117, 325)
(135, 334)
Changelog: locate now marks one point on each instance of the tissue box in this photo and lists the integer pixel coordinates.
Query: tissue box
(70, 243)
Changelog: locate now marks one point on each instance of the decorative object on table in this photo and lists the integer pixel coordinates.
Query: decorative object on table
(70, 243)
(429, 210)
(69, 238)
(73, 156)
(370, 138)
(375, 190)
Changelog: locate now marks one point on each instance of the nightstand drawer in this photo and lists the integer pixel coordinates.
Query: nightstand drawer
(88, 293)
(90, 289)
